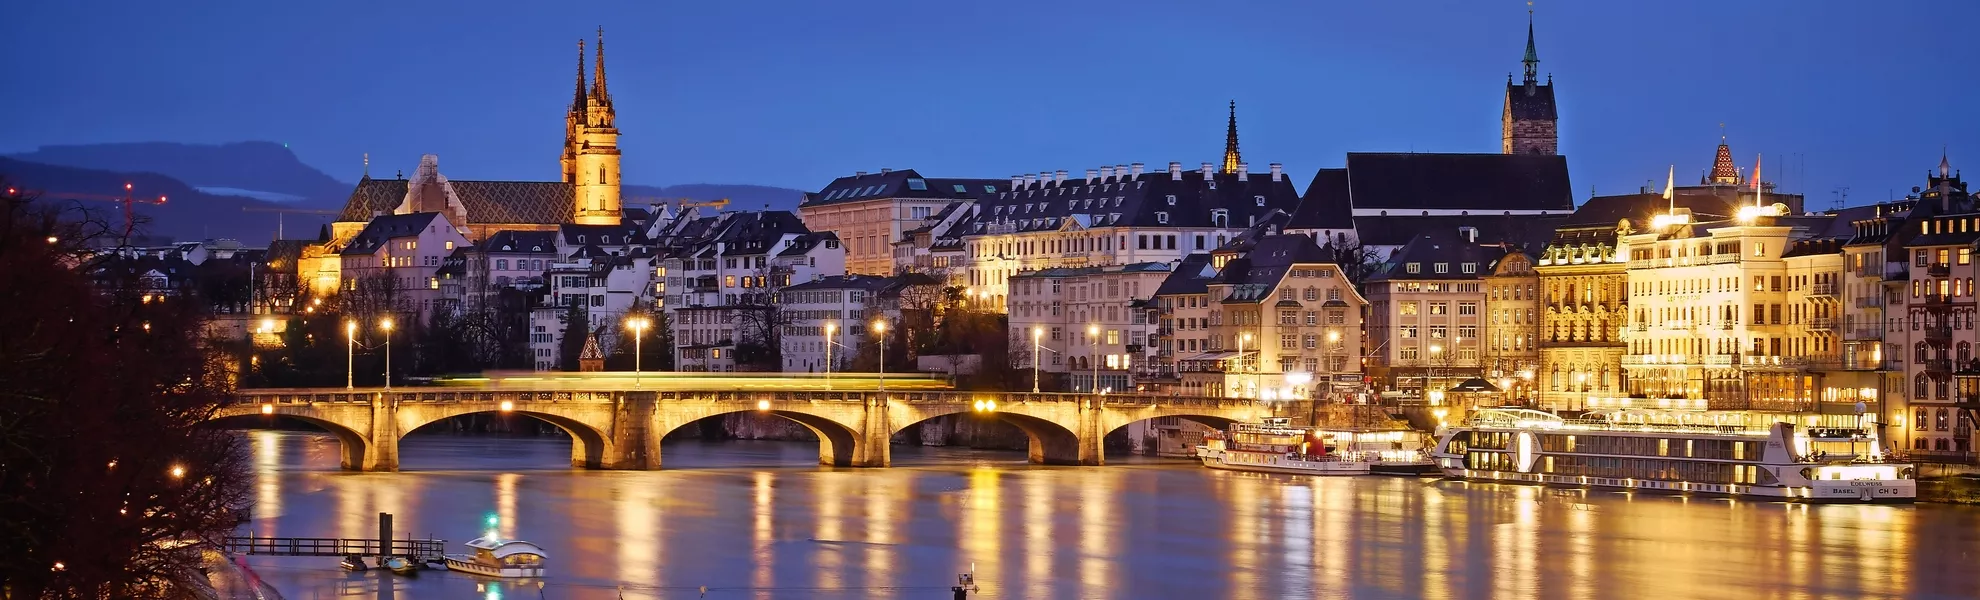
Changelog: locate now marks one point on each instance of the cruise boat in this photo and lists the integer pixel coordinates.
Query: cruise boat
(495, 557)
(1674, 452)
(1274, 446)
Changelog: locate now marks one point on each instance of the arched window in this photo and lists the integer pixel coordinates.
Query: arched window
(1918, 389)
(1941, 389)
(1939, 420)
(1965, 352)
(1920, 349)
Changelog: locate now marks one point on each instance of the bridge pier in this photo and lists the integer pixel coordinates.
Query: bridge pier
(631, 443)
(384, 434)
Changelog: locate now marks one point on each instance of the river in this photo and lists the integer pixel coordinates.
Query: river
(762, 520)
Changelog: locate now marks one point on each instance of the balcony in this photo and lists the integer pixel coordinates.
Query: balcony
(1870, 302)
(1938, 366)
(1939, 270)
(1724, 257)
(1719, 360)
(1640, 326)
(1864, 333)
(1822, 290)
(1727, 325)
(1938, 335)
(1937, 301)
(1824, 324)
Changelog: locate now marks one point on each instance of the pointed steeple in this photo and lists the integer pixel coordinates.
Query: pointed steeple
(1532, 59)
(578, 102)
(598, 73)
(1723, 170)
(1231, 158)
(1945, 166)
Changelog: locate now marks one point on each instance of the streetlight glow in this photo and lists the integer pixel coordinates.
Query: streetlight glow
(508, 405)
(178, 471)
(267, 409)
(762, 405)
(638, 325)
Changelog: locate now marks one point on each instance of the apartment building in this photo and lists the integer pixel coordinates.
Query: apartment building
(1284, 323)
(869, 212)
(1512, 326)
(1938, 311)
(1426, 319)
(828, 320)
(1183, 307)
(392, 265)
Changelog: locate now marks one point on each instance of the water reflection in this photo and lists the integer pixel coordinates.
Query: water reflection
(786, 528)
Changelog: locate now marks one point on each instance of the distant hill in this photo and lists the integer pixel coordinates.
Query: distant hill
(264, 170)
(741, 196)
(188, 213)
(208, 184)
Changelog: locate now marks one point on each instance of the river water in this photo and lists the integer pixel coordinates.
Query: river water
(762, 520)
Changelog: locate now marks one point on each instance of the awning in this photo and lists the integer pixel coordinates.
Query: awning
(1474, 386)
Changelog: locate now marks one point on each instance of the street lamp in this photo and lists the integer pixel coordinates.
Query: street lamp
(829, 328)
(638, 325)
(350, 353)
(1092, 353)
(1035, 333)
(1429, 383)
(388, 351)
(880, 334)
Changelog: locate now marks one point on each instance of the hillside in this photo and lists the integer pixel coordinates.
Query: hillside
(259, 169)
(188, 214)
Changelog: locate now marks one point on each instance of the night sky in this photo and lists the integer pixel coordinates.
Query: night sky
(1862, 94)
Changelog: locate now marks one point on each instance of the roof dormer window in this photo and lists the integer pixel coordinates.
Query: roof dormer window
(1172, 199)
(1443, 267)
(1259, 200)
(1162, 217)
(1413, 268)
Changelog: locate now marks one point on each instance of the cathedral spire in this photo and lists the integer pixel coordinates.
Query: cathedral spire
(578, 102)
(1532, 59)
(1945, 166)
(598, 73)
(1231, 159)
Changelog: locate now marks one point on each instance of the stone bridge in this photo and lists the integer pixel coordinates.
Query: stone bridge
(622, 429)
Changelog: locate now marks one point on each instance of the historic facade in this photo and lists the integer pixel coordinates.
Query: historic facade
(1529, 119)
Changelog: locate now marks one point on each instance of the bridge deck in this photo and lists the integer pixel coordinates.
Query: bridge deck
(422, 550)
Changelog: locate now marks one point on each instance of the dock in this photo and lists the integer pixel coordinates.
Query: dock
(416, 550)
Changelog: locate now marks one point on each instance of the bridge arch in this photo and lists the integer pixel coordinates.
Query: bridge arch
(353, 446)
(591, 443)
(1052, 442)
(839, 441)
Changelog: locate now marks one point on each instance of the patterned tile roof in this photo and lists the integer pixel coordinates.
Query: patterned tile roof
(521, 202)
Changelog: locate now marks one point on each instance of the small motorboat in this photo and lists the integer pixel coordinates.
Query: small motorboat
(352, 562)
(495, 557)
(399, 564)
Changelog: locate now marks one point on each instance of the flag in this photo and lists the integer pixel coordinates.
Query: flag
(1670, 186)
(1756, 180)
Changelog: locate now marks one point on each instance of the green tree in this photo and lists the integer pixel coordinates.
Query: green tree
(577, 328)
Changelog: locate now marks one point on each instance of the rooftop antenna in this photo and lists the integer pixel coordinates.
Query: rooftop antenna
(1842, 196)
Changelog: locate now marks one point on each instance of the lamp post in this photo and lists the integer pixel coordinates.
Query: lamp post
(1036, 331)
(638, 325)
(388, 352)
(829, 327)
(1327, 370)
(880, 334)
(350, 353)
(1092, 353)
(1429, 383)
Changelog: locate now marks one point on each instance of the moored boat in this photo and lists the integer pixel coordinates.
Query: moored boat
(400, 565)
(1675, 452)
(1274, 446)
(495, 557)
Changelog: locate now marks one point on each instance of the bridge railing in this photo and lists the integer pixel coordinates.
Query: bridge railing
(294, 396)
(286, 546)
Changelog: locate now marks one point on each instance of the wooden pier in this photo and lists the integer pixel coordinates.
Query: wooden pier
(416, 550)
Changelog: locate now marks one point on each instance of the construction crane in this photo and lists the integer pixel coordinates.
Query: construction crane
(282, 211)
(130, 219)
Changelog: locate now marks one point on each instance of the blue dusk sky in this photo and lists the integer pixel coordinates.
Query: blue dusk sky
(794, 93)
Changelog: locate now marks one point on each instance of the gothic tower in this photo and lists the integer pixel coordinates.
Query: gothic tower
(1528, 123)
(1723, 171)
(574, 121)
(1231, 158)
(594, 149)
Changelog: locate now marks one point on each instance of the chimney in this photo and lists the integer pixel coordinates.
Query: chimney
(1175, 170)
(1120, 172)
(1030, 179)
(1244, 169)
(1059, 177)
(1137, 170)
(1206, 170)
(1090, 174)
(859, 173)
(884, 170)
(1017, 181)
(1470, 234)
(1278, 172)
(1106, 174)
(1044, 177)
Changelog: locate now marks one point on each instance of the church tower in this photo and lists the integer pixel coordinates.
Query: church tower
(1231, 157)
(1529, 118)
(594, 148)
(1723, 171)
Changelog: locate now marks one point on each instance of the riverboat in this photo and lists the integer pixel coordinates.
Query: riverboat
(1699, 453)
(1274, 446)
(400, 565)
(494, 557)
